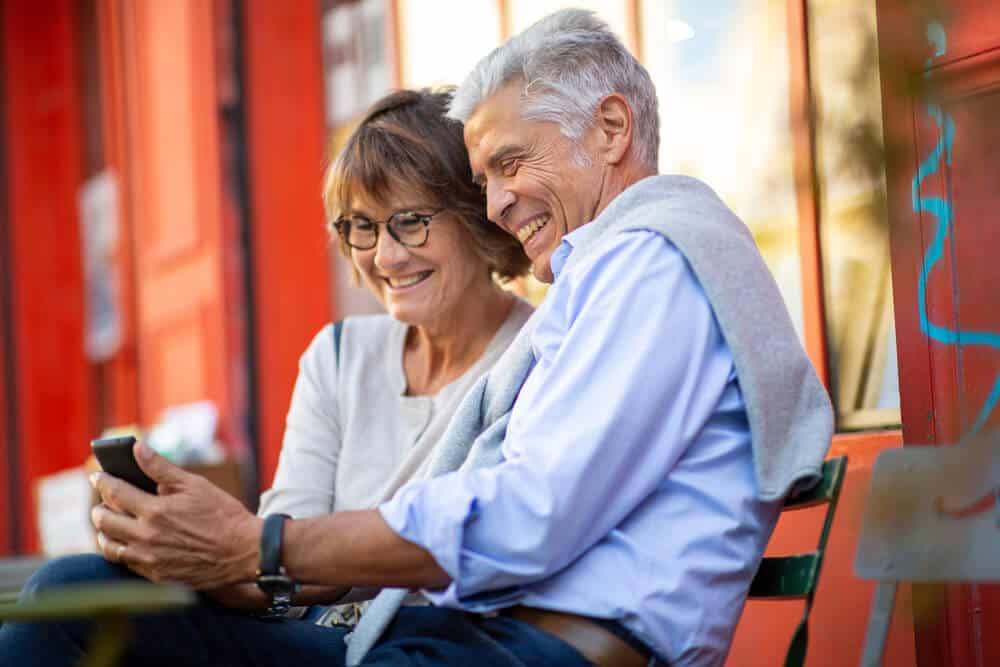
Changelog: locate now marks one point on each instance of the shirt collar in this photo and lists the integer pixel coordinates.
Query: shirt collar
(566, 246)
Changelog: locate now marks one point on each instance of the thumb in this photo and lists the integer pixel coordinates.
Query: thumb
(158, 468)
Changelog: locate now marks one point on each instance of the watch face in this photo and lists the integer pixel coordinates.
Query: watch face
(276, 584)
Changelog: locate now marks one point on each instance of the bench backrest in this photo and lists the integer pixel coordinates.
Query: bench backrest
(796, 576)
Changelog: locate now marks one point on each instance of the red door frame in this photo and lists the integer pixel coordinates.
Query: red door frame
(930, 388)
(8, 497)
(43, 154)
(286, 137)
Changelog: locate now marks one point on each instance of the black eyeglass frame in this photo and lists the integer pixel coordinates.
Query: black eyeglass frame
(343, 227)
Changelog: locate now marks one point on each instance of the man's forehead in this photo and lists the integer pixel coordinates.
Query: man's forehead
(492, 115)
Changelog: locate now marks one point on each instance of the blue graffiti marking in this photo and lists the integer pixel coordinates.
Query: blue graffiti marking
(937, 36)
(942, 210)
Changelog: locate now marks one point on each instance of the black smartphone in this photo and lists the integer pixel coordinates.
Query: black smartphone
(115, 457)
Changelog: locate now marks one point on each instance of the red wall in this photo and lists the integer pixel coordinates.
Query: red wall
(44, 171)
(286, 140)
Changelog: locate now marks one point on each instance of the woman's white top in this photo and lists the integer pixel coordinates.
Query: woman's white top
(352, 436)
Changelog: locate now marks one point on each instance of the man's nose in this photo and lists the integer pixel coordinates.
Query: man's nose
(389, 252)
(499, 201)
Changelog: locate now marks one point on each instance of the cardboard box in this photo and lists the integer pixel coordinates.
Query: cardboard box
(62, 510)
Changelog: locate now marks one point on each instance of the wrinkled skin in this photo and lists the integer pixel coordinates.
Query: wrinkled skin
(192, 532)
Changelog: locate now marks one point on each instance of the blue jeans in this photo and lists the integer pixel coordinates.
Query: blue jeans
(207, 634)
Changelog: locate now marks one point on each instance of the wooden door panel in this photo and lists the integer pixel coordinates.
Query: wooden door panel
(975, 177)
(42, 143)
(972, 26)
(936, 305)
(958, 201)
(944, 209)
(176, 205)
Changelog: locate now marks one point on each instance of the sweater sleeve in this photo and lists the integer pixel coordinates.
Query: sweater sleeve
(310, 450)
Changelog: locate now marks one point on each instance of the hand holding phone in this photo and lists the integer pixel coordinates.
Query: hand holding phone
(116, 459)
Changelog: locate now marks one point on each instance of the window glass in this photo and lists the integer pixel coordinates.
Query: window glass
(854, 222)
(721, 73)
(356, 39)
(441, 40)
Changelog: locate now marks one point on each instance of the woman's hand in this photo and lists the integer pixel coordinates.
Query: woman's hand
(192, 532)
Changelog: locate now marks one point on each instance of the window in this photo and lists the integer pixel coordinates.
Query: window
(721, 73)
(854, 225)
(728, 74)
(436, 51)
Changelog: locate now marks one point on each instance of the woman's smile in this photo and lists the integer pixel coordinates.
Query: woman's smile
(407, 282)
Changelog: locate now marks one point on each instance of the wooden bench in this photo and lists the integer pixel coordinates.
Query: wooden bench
(796, 576)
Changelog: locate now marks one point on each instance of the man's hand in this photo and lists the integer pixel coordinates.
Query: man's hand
(192, 532)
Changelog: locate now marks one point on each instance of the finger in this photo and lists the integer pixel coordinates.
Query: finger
(118, 494)
(158, 468)
(112, 550)
(116, 525)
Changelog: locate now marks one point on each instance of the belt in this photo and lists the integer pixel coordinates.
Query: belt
(594, 642)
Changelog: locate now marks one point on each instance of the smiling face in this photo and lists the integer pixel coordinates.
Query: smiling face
(422, 286)
(537, 187)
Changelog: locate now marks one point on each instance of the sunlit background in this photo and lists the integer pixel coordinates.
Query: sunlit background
(721, 69)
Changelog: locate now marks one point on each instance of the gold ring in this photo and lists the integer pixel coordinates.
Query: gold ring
(119, 552)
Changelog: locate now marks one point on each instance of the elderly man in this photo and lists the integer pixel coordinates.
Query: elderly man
(623, 464)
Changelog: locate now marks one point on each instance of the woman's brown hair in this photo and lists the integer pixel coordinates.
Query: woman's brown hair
(406, 140)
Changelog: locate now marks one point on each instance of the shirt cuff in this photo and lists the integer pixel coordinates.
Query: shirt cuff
(433, 514)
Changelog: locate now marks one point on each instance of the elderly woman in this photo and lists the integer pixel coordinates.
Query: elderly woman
(374, 393)
(371, 401)
(373, 398)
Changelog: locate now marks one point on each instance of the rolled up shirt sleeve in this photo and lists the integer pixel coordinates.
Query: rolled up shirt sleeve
(631, 365)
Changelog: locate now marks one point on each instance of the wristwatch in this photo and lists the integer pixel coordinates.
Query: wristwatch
(272, 578)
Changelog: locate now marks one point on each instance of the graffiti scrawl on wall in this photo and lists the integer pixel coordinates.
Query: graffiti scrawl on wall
(927, 517)
(941, 208)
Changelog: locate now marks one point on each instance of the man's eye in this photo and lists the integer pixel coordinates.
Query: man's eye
(509, 167)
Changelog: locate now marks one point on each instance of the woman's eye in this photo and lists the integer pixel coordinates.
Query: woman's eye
(410, 220)
(363, 225)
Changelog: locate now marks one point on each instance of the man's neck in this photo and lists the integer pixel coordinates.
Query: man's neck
(618, 179)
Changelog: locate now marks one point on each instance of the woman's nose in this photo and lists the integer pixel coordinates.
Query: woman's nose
(389, 252)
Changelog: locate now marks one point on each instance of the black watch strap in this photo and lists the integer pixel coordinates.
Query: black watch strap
(270, 543)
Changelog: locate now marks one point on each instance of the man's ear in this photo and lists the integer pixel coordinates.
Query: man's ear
(614, 123)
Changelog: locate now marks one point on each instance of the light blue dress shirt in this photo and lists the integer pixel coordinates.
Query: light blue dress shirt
(628, 489)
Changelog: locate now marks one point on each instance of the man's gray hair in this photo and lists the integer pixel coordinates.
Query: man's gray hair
(567, 61)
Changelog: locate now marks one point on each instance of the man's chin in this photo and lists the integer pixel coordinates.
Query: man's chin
(542, 271)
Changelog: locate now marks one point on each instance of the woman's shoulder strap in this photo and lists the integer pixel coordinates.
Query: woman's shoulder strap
(338, 327)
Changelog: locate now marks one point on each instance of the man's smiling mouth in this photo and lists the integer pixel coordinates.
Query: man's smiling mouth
(525, 233)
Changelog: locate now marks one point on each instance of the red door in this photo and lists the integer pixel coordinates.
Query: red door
(47, 377)
(175, 209)
(944, 206)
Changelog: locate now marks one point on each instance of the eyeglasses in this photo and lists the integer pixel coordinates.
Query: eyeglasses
(408, 228)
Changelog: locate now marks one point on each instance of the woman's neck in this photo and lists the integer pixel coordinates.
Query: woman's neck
(434, 355)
